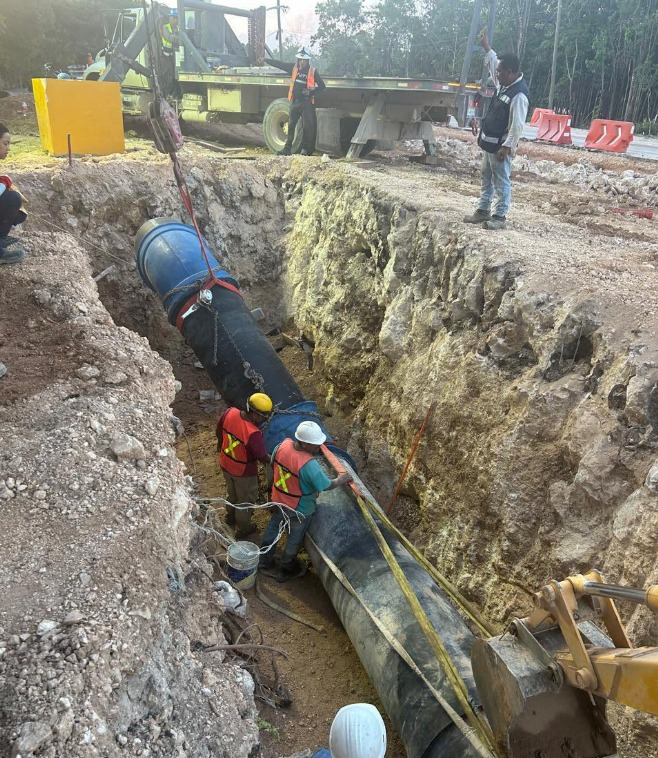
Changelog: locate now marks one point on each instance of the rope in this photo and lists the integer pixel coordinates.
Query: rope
(414, 447)
(431, 634)
(276, 607)
(284, 526)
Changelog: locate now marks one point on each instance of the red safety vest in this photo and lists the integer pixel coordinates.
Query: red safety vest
(288, 462)
(310, 81)
(233, 454)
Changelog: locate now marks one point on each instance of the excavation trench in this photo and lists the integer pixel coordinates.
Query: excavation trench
(533, 465)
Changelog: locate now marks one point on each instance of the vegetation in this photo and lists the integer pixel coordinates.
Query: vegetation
(59, 33)
(607, 52)
(607, 63)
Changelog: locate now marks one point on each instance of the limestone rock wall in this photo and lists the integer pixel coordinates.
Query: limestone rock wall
(539, 460)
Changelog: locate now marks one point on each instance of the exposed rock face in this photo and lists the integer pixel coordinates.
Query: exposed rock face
(106, 608)
(540, 459)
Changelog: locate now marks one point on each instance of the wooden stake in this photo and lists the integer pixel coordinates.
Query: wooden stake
(414, 447)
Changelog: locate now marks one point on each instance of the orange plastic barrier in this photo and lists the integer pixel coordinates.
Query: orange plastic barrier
(613, 136)
(555, 128)
(536, 115)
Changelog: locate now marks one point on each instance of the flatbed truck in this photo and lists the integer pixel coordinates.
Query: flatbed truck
(220, 79)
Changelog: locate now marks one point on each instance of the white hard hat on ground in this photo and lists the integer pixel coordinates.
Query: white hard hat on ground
(310, 432)
(358, 731)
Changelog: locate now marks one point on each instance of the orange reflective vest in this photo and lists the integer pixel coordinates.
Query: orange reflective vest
(233, 455)
(310, 81)
(288, 462)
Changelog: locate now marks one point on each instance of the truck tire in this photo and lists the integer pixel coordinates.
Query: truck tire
(275, 126)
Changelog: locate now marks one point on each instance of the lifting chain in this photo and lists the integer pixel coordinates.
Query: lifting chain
(249, 373)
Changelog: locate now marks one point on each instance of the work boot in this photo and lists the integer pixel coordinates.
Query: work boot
(477, 218)
(7, 241)
(266, 561)
(304, 151)
(495, 222)
(286, 151)
(14, 255)
(291, 570)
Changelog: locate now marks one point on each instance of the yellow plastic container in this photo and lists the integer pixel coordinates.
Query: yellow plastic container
(89, 111)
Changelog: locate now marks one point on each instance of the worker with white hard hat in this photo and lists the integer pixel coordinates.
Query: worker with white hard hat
(305, 84)
(298, 479)
(357, 731)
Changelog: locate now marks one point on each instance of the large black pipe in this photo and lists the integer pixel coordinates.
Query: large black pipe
(224, 336)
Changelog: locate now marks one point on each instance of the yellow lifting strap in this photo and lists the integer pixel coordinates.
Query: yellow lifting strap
(476, 720)
(468, 731)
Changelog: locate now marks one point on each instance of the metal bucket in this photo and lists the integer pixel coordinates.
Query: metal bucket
(242, 559)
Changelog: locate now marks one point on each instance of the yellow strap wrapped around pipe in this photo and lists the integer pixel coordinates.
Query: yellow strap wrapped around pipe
(432, 636)
(468, 731)
(435, 641)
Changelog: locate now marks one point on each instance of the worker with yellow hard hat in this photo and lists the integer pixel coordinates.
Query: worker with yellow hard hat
(240, 445)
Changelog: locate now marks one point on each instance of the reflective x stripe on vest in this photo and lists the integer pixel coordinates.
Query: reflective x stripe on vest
(288, 462)
(310, 81)
(167, 43)
(233, 455)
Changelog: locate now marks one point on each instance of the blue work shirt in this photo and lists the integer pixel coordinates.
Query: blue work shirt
(312, 481)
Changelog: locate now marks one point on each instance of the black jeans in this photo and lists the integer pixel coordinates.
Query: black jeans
(10, 204)
(305, 110)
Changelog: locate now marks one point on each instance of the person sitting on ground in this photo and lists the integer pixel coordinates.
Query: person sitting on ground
(500, 132)
(11, 211)
(298, 479)
(357, 731)
(240, 446)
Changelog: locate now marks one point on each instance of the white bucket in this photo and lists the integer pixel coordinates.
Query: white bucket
(242, 559)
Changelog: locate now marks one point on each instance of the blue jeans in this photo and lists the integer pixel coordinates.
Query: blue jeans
(298, 526)
(496, 179)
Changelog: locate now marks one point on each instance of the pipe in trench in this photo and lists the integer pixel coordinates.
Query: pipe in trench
(240, 360)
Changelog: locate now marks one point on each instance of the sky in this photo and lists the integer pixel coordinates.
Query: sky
(298, 22)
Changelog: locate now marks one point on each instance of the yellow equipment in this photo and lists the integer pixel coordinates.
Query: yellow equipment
(259, 402)
(548, 677)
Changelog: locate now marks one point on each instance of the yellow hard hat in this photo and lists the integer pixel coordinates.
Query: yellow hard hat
(259, 402)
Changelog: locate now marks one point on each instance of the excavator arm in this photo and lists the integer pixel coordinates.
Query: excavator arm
(547, 679)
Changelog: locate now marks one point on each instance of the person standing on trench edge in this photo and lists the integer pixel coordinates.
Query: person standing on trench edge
(305, 83)
(298, 480)
(11, 211)
(240, 446)
(499, 136)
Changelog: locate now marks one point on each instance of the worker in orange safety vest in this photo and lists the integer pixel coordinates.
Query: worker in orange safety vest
(305, 84)
(240, 446)
(298, 479)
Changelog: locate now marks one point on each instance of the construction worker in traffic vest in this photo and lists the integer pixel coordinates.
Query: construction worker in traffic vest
(169, 47)
(240, 446)
(298, 480)
(305, 84)
(500, 131)
(170, 33)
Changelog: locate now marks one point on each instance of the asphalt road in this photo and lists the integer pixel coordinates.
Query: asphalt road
(640, 147)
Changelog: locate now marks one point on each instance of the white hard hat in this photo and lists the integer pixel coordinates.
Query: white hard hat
(358, 731)
(302, 54)
(310, 432)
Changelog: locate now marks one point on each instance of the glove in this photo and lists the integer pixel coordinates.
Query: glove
(6, 181)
